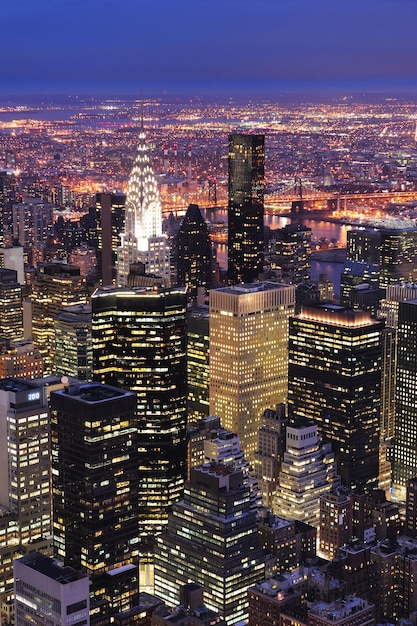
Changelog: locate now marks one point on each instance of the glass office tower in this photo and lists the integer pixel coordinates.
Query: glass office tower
(246, 208)
(139, 343)
(335, 365)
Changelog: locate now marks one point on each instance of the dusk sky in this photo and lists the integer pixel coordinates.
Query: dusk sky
(122, 46)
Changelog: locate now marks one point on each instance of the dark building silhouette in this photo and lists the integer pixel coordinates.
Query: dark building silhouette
(246, 208)
(111, 220)
(335, 364)
(139, 343)
(194, 253)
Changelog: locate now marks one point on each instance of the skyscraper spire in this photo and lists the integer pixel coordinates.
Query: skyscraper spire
(142, 240)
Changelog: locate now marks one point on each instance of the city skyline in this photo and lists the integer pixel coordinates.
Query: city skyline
(195, 48)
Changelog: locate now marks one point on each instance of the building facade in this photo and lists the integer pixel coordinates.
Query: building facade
(198, 362)
(11, 306)
(95, 488)
(405, 453)
(55, 286)
(139, 343)
(248, 355)
(111, 221)
(270, 451)
(49, 593)
(211, 539)
(335, 365)
(307, 472)
(246, 208)
(73, 343)
(25, 483)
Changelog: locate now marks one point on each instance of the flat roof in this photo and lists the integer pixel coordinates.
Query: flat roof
(50, 568)
(245, 288)
(16, 385)
(91, 393)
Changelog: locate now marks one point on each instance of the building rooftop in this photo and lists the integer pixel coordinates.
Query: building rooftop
(51, 568)
(91, 393)
(121, 570)
(16, 385)
(139, 290)
(246, 288)
(340, 609)
(201, 311)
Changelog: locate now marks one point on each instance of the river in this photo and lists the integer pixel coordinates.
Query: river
(320, 230)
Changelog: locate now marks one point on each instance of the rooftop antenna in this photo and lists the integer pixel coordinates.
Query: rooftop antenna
(141, 109)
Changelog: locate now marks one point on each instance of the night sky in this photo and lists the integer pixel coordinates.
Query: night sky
(200, 46)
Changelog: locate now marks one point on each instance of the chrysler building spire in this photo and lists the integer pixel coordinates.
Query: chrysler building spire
(142, 240)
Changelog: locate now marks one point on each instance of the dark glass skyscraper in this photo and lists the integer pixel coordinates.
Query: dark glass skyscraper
(139, 343)
(335, 365)
(194, 253)
(246, 208)
(95, 485)
(111, 221)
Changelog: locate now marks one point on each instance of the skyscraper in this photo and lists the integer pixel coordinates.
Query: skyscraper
(211, 539)
(8, 195)
(379, 257)
(55, 286)
(307, 472)
(270, 451)
(405, 453)
(194, 253)
(73, 349)
(111, 220)
(335, 362)
(142, 240)
(248, 354)
(25, 475)
(139, 343)
(292, 252)
(246, 208)
(32, 224)
(11, 307)
(198, 362)
(95, 484)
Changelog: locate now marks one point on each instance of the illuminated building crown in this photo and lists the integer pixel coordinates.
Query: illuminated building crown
(143, 204)
(143, 240)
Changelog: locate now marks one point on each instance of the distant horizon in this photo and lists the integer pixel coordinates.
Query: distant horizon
(244, 90)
